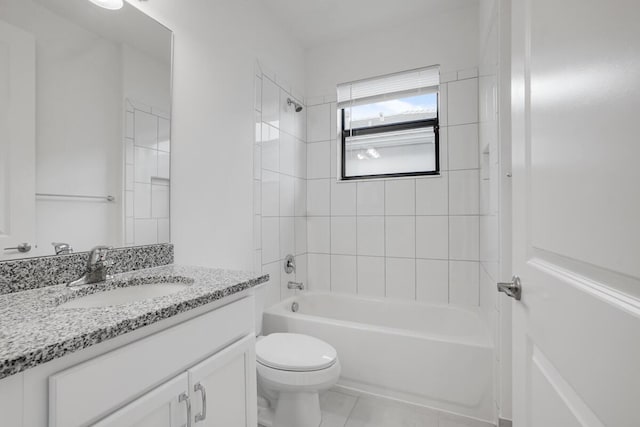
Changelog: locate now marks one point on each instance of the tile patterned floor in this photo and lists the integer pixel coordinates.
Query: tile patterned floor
(345, 410)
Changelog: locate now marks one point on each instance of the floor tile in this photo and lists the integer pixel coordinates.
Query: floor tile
(374, 412)
(450, 420)
(336, 408)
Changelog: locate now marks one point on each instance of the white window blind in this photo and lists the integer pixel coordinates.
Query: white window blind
(391, 86)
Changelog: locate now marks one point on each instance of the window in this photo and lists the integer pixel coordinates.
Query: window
(389, 125)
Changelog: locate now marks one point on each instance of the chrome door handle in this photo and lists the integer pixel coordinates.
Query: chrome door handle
(22, 248)
(203, 414)
(185, 398)
(512, 289)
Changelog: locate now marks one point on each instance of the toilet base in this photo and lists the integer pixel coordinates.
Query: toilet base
(297, 410)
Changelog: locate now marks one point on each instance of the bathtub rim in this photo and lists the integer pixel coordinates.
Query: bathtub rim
(483, 340)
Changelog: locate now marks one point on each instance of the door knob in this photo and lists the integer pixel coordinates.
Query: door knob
(22, 248)
(512, 289)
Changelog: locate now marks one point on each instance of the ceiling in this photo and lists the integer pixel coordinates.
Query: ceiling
(315, 22)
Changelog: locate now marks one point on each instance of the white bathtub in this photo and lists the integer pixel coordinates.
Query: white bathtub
(432, 355)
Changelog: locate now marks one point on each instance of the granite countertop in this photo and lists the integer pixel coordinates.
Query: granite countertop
(35, 330)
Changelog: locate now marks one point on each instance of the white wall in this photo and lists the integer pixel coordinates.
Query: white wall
(448, 39)
(216, 44)
(495, 190)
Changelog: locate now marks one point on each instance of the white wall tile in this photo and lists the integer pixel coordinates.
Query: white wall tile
(333, 114)
(164, 134)
(318, 234)
(463, 283)
(270, 193)
(318, 197)
(287, 195)
(164, 163)
(443, 116)
(128, 177)
(301, 125)
(287, 154)
(464, 189)
(401, 278)
(164, 230)
(128, 149)
(343, 198)
(270, 148)
(301, 270)
(370, 199)
(146, 130)
(464, 237)
(400, 236)
(270, 240)
(400, 197)
(300, 197)
(270, 102)
(343, 274)
(334, 159)
(159, 201)
(287, 237)
(462, 102)
(370, 239)
(443, 141)
(142, 200)
(371, 276)
(301, 235)
(145, 231)
(318, 123)
(287, 114)
(273, 285)
(319, 271)
(432, 237)
(300, 159)
(343, 235)
(463, 147)
(432, 195)
(432, 280)
(146, 164)
(318, 163)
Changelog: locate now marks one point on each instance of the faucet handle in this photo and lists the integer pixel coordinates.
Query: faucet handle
(98, 253)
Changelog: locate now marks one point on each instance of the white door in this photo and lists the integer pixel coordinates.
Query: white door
(17, 140)
(576, 196)
(223, 387)
(164, 406)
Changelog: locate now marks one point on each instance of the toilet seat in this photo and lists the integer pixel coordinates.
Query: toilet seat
(294, 353)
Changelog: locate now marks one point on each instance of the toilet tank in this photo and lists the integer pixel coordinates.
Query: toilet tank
(259, 293)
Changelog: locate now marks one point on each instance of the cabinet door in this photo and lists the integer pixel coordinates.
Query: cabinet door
(223, 387)
(161, 407)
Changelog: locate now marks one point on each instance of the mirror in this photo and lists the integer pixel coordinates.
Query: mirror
(85, 100)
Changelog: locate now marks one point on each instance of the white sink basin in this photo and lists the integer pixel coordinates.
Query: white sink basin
(125, 295)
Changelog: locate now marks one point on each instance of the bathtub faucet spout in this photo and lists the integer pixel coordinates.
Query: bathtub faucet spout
(295, 285)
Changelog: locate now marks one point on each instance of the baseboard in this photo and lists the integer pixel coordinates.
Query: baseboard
(504, 423)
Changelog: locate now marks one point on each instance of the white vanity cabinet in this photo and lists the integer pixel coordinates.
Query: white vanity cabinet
(194, 369)
(218, 392)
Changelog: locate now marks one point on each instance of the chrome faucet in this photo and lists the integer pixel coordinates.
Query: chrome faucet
(295, 285)
(62, 248)
(96, 267)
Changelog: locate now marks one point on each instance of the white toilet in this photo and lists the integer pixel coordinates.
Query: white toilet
(292, 371)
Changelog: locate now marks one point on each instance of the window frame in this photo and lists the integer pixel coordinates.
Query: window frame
(371, 130)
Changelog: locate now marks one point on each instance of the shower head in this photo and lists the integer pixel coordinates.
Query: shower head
(297, 106)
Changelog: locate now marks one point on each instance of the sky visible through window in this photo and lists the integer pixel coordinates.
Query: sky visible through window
(395, 110)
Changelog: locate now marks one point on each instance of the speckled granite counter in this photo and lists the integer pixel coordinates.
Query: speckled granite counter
(35, 330)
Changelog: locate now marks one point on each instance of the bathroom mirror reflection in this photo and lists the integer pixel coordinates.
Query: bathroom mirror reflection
(85, 100)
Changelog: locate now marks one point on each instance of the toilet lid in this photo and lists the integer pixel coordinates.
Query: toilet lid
(294, 352)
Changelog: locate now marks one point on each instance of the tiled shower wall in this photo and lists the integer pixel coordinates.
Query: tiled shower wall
(280, 155)
(415, 238)
(147, 176)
